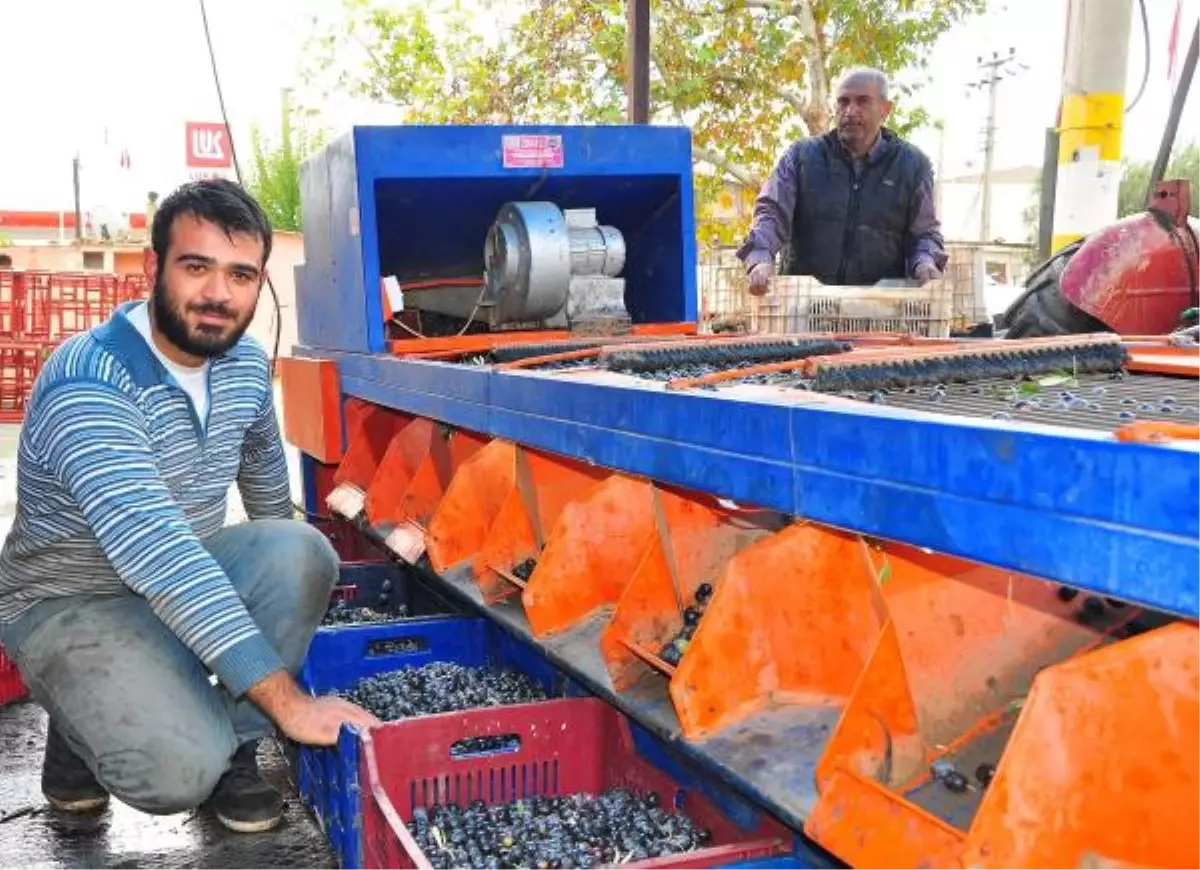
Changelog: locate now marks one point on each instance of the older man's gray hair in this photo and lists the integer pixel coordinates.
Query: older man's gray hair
(866, 75)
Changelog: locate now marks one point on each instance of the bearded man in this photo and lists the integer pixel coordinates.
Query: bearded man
(122, 594)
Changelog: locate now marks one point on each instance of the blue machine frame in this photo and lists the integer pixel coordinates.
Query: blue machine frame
(1071, 506)
(417, 202)
(1076, 507)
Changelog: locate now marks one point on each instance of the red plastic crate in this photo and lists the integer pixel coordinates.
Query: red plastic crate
(40, 305)
(565, 746)
(12, 687)
(20, 363)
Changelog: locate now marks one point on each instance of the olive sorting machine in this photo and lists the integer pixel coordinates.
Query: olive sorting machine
(948, 589)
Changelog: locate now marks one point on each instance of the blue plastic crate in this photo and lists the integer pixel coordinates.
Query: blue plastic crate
(338, 657)
(360, 584)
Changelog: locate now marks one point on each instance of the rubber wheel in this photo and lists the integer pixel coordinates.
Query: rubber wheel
(1042, 309)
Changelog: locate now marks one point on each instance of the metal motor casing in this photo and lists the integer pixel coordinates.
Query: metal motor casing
(533, 251)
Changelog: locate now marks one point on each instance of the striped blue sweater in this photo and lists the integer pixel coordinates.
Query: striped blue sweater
(118, 484)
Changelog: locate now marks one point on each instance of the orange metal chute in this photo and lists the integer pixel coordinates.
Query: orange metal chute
(590, 556)
(405, 452)
(411, 479)
(312, 419)
(880, 832)
(946, 680)
(369, 429)
(793, 620)
(461, 521)
(691, 544)
(542, 486)
(1103, 769)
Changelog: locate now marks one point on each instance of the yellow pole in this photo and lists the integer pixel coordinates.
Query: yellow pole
(1092, 117)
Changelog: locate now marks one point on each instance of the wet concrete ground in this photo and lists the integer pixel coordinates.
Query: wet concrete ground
(34, 835)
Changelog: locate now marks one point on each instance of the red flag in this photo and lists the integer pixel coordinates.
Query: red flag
(1173, 42)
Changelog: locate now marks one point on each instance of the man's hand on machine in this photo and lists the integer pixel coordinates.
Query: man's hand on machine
(303, 718)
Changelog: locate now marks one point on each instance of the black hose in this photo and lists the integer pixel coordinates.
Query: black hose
(237, 169)
(1145, 57)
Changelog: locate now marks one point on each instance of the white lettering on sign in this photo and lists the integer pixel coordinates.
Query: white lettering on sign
(533, 152)
(208, 146)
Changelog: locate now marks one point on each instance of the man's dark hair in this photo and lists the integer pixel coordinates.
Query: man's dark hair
(217, 201)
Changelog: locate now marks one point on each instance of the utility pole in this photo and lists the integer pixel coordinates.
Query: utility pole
(78, 210)
(992, 72)
(637, 60)
(1091, 117)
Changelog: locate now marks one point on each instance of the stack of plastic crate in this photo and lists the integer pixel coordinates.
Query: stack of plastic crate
(38, 311)
(12, 687)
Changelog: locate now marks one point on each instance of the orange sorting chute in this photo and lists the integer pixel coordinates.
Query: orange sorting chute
(590, 555)
(946, 683)
(1103, 769)
(461, 521)
(691, 544)
(541, 487)
(793, 621)
(369, 429)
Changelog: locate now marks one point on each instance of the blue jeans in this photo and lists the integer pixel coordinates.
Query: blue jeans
(136, 704)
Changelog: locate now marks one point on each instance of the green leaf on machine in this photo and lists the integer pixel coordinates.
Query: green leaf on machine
(885, 573)
(1059, 379)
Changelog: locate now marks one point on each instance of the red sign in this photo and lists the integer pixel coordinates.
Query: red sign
(208, 146)
(533, 152)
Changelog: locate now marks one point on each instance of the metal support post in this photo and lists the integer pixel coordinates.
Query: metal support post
(637, 55)
(1092, 118)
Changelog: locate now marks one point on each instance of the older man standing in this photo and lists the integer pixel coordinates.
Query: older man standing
(856, 204)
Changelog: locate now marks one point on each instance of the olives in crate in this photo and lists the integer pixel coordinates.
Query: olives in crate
(578, 830)
(441, 687)
(342, 612)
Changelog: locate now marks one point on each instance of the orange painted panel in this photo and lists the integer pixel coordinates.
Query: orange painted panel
(312, 418)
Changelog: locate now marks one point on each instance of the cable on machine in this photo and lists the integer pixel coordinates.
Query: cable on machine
(212, 59)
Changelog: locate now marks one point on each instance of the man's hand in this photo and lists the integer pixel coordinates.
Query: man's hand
(926, 272)
(760, 278)
(307, 720)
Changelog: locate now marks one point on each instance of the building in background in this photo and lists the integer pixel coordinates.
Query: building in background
(1013, 190)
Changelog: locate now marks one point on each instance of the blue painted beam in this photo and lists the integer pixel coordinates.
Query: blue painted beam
(1070, 506)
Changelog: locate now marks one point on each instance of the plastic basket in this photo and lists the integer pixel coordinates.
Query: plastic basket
(798, 304)
(361, 583)
(21, 362)
(12, 687)
(555, 748)
(348, 542)
(328, 778)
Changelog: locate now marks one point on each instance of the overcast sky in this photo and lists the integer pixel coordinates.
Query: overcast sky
(75, 71)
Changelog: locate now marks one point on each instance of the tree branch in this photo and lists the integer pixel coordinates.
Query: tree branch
(817, 117)
(738, 173)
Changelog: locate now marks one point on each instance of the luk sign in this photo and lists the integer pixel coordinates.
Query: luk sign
(208, 151)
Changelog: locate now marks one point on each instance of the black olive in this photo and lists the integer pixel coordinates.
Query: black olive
(984, 774)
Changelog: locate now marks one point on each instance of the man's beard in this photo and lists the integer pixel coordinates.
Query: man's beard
(202, 343)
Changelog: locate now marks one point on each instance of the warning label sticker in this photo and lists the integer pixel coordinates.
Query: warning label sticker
(533, 152)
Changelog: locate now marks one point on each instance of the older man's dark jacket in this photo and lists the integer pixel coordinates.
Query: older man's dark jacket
(848, 222)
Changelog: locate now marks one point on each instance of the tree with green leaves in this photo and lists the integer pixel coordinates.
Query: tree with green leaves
(274, 176)
(1131, 193)
(747, 76)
